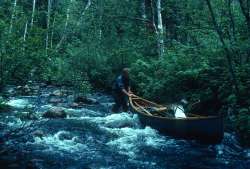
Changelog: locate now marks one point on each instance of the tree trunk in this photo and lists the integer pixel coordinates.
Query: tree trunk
(25, 32)
(143, 9)
(160, 35)
(153, 15)
(52, 33)
(48, 27)
(12, 16)
(245, 10)
(83, 12)
(64, 36)
(227, 50)
(232, 23)
(33, 13)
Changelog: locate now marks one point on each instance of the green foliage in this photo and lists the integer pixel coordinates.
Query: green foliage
(243, 125)
(85, 87)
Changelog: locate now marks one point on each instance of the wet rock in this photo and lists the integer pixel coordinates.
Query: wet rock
(34, 164)
(27, 116)
(55, 100)
(85, 100)
(43, 84)
(74, 105)
(10, 91)
(38, 133)
(65, 136)
(55, 112)
(57, 93)
(26, 90)
(70, 98)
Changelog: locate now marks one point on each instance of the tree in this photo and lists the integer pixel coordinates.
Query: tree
(225, 47)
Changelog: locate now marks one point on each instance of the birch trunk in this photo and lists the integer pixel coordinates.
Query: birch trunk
(25, 36)
(65, 27)
(33, 13)
(143, 9)
(153, 16)
(160, 35)
(13, 16)
(25, 32)
(48, 26)
(52, 33)
(83, 12)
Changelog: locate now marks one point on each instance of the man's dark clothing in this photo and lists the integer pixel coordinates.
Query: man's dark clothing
(121, 99)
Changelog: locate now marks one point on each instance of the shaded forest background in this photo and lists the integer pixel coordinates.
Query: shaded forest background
(175, 48)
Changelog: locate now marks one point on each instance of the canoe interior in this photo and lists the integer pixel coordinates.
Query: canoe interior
(152, 109)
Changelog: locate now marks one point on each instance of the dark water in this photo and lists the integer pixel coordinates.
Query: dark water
(93, 137)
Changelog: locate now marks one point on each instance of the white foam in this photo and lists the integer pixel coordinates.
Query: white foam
(19, 103)
(113, 121)
(16, 123)
(54, 142)
(130, 139)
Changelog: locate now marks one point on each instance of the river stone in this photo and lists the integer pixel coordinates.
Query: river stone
(38, 133)
(24, 90)
(85, 100)
(27, 116)
(34, 164)
(55, 112)
(55, 100)
(74, 105)
(57, 93)
(65, 136)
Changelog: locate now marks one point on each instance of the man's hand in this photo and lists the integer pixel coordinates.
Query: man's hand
(131, 95)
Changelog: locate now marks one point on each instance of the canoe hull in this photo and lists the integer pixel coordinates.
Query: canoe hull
(207, 130)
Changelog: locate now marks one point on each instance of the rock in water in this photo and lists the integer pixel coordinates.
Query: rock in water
(85, 100)
(55, 112)
(74, 105)
(55, 100)
(57, 93)
(38, 133)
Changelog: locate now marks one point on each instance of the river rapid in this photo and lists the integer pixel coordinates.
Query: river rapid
(91, 137)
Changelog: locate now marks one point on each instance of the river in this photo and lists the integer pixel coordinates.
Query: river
(91, 137)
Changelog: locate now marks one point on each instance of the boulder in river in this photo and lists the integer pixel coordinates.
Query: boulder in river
(57, 93)
(55, 112)
(85, 100)
(38, 133)
(74, 105)
(55, 100)
(27, 116)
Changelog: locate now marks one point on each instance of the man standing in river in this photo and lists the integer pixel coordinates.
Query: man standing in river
(121, 91)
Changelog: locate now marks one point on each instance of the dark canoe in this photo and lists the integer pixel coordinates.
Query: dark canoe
(207, 129)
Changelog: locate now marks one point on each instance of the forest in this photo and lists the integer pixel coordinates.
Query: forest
(175, 49)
